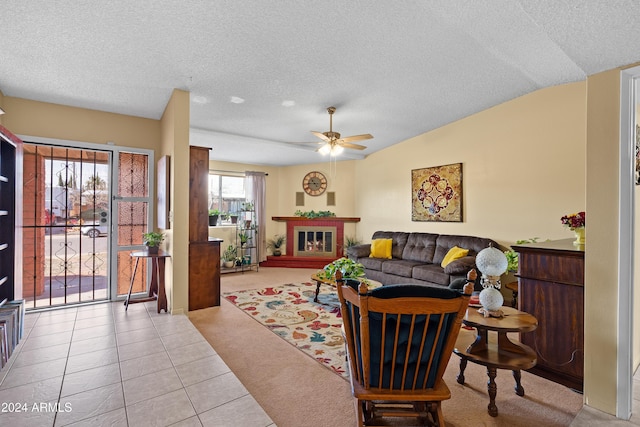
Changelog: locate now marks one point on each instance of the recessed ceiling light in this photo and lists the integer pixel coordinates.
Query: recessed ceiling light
(199, 99)
(237, 100)
(288, 103)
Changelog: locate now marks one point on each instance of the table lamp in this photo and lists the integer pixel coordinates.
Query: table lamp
(492, 263)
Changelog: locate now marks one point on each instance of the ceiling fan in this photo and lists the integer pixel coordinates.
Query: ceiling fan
(335, 145)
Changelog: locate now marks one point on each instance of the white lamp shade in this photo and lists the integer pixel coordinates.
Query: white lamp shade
(325, 149)
(491, 261)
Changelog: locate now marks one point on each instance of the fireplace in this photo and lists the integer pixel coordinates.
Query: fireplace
(316, 241)
(311, 242)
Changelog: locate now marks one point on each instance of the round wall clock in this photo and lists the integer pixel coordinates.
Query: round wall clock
(314, 183)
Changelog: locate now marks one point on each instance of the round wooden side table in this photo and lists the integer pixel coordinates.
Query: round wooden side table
(496, 350)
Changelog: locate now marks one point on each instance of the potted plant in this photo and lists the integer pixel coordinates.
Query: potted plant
(244, 238)
(213, 217)
(350, 269)
(152, 241)
(234, 218)
(275, 244)
(229, 256)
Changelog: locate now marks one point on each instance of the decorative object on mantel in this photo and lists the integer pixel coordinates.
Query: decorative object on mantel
(436, 193)
(314, 214)
(152, 241)
(576, 222)
(492, 263)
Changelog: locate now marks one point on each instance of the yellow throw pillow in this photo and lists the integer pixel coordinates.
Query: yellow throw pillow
(381, 248)
(453, 254)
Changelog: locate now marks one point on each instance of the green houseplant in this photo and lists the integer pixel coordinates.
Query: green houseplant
(244, 238)
(348, 267)
(213, 217)
(152, 241)
(276, 243)
(229, 256)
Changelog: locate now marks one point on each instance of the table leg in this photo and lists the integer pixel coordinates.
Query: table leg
(133, 275)
(517, 375)
(493, 390)
(315, 299)
(463, 366)
(162, 295)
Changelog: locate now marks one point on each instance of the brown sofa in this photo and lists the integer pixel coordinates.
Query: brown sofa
(417, 258)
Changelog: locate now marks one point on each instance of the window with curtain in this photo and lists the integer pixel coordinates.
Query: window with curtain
(226, 194)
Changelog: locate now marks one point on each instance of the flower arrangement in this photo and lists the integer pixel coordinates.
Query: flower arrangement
(573, 221)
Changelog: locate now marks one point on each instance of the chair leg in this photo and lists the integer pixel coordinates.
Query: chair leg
(436, 413)
(360, 412)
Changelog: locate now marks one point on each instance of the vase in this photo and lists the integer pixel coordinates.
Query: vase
(580, 237)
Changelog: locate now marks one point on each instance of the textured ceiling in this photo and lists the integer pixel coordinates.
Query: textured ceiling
(392, 69)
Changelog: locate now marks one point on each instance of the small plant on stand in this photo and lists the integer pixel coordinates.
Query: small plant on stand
(244, 238)
(229, 256)
(152, 241)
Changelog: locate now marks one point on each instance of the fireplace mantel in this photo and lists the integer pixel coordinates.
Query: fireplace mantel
(323, 218)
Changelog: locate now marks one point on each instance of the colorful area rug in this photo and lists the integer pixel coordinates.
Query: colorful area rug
(289, 311)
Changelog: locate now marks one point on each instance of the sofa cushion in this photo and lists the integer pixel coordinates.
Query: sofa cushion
(461, 266)
(420, 247)
(444, 242)
(371, 263)
(381, 248)
(453, 254)
(399, 241)
(431, 273)
(399, 267)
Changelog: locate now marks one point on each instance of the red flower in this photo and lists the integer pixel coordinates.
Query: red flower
(575, 220)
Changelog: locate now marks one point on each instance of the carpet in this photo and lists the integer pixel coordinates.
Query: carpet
(290, 312)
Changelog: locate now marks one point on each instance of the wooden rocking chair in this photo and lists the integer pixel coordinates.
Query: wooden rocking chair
(399, 340)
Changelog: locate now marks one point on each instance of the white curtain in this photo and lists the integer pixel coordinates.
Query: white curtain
(256, 190)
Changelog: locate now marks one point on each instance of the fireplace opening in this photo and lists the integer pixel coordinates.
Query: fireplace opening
(317, 241)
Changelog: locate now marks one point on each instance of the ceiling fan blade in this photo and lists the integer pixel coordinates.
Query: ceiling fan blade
(349, 145)
(320, 135)
(357, 137)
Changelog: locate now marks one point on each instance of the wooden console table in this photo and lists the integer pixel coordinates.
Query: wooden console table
(156, 287)
(500, 353)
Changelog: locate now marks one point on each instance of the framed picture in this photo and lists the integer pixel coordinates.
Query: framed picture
(436, 193)
(163, 192)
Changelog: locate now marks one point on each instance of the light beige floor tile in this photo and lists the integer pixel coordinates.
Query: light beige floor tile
(90, 322)
(96, 310)
(90, 404)
(189, 422)
(41, 391)
(30, 418)
(92, 344)
(33, 373)
(93, 332)
(201, 370)
(216, 391)
(90, 379)
(171, 328)
(128, 316)
(56, 316)
(48, 329)
(138, 335)
(91, 360)
(182, 339)
(163, 410)
(140, 366)
(139, 349)
(46, 341)
(190, 352)
(32, 357)
(151, 385)
(244, 411)
(132, 325)
(117, 418)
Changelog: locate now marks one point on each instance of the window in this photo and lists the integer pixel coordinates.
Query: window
(226, 193)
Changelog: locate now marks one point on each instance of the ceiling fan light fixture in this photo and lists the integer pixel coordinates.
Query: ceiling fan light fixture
(325, 149)
(336, 150)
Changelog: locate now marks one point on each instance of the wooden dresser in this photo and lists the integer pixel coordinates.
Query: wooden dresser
(551, 287)
(204, 253)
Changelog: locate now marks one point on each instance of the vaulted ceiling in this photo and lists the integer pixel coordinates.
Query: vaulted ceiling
(262, 73)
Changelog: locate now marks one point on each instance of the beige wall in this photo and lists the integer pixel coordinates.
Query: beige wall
(175, 142)
(523, 168)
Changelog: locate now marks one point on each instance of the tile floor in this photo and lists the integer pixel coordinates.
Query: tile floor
(99, 365)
